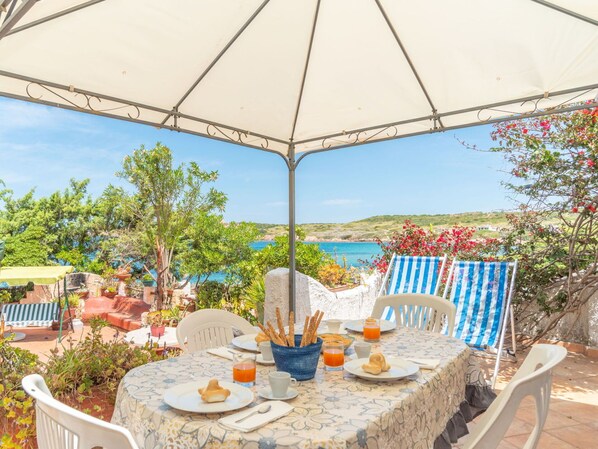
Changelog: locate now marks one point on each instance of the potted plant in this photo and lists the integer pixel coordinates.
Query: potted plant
(109, 292)
(123, 272)
(83, 291)
(74, 302)
(174, 316)
(157, 323)
(147, 280)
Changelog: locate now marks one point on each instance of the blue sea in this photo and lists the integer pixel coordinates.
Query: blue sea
(353, 252)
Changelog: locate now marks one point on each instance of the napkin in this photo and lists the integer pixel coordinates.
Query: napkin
(278, 410)
(424, 363)
(222, 351)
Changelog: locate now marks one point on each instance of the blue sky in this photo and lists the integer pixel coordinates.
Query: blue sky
(44, 147)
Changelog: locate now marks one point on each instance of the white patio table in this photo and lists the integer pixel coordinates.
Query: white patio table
(142, 336)
(333, 410)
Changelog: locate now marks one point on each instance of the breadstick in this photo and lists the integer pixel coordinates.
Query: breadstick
(311, 331)
(265, 330)
(291, 337)
(275, 338)
(305, 327)
(315, 337)
(281, 332)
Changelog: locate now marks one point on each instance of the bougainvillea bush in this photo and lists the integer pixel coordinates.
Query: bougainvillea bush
(554, 237)
(458, 241)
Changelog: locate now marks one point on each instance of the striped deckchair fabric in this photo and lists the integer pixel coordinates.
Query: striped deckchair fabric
(480, 291)
(24, 315)
(412, 274)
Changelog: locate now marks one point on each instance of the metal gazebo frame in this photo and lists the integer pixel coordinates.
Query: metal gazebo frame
(70, 97)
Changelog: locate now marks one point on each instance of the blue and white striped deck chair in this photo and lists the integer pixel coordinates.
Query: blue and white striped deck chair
(411, 274)
(25, 315)
(482, 293)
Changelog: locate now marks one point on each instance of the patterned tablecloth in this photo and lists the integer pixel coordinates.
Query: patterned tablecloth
(333, 410)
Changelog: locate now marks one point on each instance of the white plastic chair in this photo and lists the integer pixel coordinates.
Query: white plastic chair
(425, 312)
(210, 328)
(60, 426)
(533, 378)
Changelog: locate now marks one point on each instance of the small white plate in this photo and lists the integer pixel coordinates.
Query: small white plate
(186, 397)
(266, 393)
(399, 368)
(246, 342)
(357, 325)
(260, 359)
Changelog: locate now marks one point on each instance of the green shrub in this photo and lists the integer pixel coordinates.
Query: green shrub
(74, 301)
(93, 362)
(229, 297)
(17, 429)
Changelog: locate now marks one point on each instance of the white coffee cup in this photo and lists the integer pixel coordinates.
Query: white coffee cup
(334, 326)
(266, 350)
(362, 349)
(280, 382)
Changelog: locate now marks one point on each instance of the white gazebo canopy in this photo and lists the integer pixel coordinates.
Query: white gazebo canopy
(294, 77)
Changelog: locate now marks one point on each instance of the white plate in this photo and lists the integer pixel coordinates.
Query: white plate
(246, 342)
(323, 329)
(357, 325)
(260, 359)
(266, 393)
(399, 368)
(186, 397)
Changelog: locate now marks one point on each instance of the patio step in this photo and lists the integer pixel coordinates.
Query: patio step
(122, 312)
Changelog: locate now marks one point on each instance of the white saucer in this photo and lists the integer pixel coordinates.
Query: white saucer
(266, 393)
(260, 359)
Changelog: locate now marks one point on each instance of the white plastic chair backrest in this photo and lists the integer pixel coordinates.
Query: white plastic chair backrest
(425, 312)
(210, 328)
(533, 378)
(60, 426)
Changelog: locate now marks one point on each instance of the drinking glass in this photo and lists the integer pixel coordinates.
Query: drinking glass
(371, 330)
(334, 355)
(244, 369)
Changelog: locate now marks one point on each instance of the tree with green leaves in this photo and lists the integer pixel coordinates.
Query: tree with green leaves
(213, 246)
(554, 168)
(165, 201)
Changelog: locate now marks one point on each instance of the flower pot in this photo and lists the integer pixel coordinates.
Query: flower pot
(301, 363)
(109, 295)
(157, 331)
(122, 276)
(83, 295)
(148, 283)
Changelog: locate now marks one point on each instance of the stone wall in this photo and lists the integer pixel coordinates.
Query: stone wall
(581, 327)
(312, 295)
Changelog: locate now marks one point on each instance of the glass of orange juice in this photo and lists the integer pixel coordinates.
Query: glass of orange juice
(371, 330)
(244, 369)
(334, 355)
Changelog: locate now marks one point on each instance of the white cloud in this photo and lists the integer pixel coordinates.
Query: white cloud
(341, 202)
(19, 115)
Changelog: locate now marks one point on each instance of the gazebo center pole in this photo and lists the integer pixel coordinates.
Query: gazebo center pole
(292, 265)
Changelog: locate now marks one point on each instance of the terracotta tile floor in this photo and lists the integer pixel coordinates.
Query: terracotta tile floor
(573, 417)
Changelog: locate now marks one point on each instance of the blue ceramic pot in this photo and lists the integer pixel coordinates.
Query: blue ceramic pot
(301, 363)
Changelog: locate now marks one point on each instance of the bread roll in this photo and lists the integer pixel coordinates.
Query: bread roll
(376, 365)
(213, 392)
